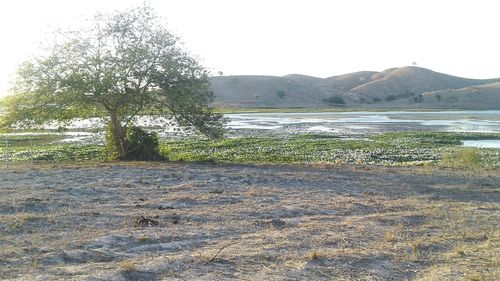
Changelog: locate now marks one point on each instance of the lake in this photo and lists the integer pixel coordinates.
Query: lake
(345, 124)
(364, 122)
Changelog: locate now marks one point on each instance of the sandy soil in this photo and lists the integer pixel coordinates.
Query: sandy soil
(155, 221)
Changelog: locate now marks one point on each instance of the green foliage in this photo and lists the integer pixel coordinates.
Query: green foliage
(53, 152)
(438, 137)
(390, 148)
(420, 139)
(142, 145)
(335, 100)
(118, 67)
(376, 99)
(438, 97)
(297, 149)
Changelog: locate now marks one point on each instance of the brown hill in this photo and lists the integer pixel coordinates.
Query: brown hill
(412, 81)
(485, 96)
(403, 87)
(272, 91)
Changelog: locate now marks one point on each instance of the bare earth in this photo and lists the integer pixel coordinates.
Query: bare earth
(165, 221)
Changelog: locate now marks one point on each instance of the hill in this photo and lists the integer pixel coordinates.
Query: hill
(474, 97)
(412, 81)
(405, 87)
(271, 91)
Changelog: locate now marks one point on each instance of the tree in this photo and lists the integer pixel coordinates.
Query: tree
(123, 65)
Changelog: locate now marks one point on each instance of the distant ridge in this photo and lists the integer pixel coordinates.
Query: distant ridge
(404, 87)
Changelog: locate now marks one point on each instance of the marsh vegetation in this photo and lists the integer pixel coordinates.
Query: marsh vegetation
(395, 148)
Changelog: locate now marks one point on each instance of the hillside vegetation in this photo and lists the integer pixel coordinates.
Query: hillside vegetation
(405, 87)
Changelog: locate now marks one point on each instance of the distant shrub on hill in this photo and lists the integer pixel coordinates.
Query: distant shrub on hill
(390, 97)
(335, 100)
(418, 98)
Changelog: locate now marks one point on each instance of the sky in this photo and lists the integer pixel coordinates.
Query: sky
(277, 37)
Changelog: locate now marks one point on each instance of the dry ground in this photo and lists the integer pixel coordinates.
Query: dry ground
(155, 221)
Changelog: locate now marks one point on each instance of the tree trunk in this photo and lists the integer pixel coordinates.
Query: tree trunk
(119, 136)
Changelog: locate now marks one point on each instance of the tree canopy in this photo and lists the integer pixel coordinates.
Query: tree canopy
(120, 66)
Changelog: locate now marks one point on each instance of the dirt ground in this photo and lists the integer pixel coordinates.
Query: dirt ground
(166, 221)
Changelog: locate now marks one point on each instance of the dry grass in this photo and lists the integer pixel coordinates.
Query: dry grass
(248, 222)
(315, 255)
(127, 267)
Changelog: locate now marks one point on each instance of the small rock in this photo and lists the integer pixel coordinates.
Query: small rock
(165, 208)
(175, 220)
(216, 191)
(145, 222)
(277, 223)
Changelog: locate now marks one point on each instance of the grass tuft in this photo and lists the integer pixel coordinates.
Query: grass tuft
(463, 158)
(314, 255)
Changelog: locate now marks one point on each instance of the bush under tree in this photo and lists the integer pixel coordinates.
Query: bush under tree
(143, 146)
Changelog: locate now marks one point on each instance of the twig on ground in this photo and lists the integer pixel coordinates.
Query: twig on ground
(323, 273)
(220, 250)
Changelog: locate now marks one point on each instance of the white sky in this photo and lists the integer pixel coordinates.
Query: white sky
(278, 37)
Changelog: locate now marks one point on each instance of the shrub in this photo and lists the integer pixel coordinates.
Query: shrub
(142, 146)
(280, 94)
(418, 98)
(390, 97)
(408, 93)
(334, 100)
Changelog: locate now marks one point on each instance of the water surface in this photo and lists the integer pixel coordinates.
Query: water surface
(482, 143)
(370, 122)
(349, 124)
